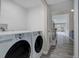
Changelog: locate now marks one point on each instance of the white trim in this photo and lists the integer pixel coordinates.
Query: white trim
(46, 42)
(76, 29)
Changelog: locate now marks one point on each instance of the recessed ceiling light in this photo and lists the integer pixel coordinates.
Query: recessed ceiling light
(72, 10)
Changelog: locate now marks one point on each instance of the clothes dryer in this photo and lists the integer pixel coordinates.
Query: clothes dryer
(15, 46)
(37, 44)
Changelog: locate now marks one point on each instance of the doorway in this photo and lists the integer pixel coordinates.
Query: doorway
(61, 23)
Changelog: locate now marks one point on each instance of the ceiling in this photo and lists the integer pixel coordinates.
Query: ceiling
(32, 3)
(54, 1)
(28, 3)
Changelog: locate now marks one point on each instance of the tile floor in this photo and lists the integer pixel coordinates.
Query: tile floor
(64, 48)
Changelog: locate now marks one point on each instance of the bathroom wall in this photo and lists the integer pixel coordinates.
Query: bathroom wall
(14, 15)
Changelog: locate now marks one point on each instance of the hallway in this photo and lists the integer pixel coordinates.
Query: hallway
(64, 48)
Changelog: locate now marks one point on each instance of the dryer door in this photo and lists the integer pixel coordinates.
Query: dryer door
(38, 44)
(20, 49)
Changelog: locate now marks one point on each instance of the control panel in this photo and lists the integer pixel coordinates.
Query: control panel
(19, 36)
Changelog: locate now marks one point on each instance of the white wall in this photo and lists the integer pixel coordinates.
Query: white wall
(13, 15)
(35, 19)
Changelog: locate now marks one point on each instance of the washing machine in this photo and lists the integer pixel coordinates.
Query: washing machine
(37, 44)
(15, 46)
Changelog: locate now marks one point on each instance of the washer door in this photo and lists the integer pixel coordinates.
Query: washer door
(20, 49)
(38, 44)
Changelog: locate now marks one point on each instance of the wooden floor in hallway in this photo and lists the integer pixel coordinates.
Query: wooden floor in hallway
(64, 48)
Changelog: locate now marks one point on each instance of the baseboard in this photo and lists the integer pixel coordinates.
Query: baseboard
(75, 56)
